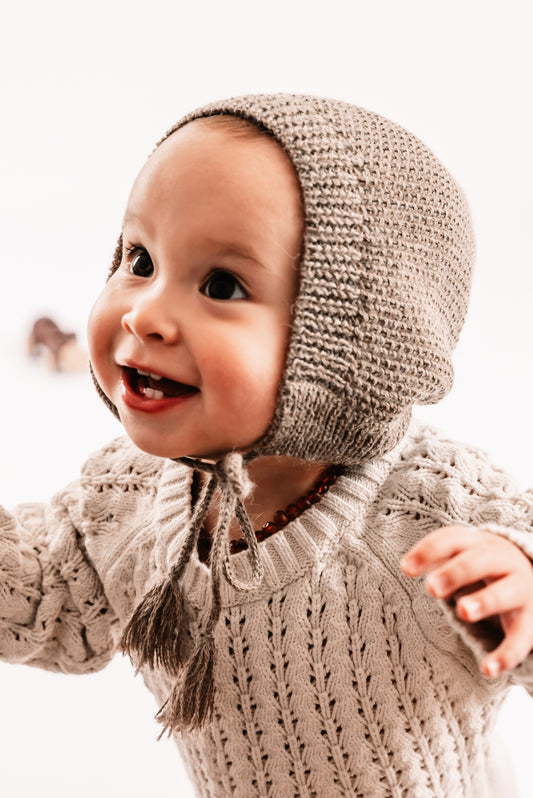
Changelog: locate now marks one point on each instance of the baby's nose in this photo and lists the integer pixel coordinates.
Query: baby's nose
(152, 317)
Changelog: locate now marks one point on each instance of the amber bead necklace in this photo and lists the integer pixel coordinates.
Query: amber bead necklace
(281, 517)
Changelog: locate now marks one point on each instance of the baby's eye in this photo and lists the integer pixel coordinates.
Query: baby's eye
(223, 285)
(141, 264)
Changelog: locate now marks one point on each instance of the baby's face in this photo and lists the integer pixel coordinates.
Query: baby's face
(189, 336)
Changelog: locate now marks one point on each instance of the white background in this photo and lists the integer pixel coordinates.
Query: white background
(86, 91)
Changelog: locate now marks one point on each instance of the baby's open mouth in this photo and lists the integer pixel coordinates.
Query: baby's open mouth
(152, 386)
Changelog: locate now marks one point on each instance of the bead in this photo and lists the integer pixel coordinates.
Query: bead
(269, 529)
(280, 519)
(314, 498)
(292, 512)
(238, 545)
(267, 525)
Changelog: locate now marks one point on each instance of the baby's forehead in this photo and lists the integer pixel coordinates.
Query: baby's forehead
(225, 149)
(230, 133)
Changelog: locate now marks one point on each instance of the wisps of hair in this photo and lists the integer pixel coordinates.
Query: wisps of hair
(237, 124)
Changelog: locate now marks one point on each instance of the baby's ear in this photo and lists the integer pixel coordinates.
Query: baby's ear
(117, 258)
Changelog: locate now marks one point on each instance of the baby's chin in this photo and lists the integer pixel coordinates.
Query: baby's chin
(172, 453)
(210, 449)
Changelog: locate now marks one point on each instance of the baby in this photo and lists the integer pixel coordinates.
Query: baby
(291, 279)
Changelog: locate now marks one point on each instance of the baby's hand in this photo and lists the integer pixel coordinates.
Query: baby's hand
(460, 559)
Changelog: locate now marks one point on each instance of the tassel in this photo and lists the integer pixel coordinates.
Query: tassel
(156, 630)
(189, 707)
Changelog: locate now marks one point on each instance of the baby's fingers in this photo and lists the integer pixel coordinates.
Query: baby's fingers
(484, 562)
(514, 648)
(501, 596)
(439, 546)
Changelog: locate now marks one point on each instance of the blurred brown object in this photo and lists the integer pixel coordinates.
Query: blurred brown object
(60, 348)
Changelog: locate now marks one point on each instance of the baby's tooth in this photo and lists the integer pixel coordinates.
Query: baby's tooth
(151, 393)
(147, 374)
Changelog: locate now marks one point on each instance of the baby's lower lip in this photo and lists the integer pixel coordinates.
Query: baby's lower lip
(137, 395)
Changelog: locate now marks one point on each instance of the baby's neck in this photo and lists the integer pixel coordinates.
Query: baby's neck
(278, 481)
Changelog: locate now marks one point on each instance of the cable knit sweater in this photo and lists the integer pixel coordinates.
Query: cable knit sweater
(338, 676)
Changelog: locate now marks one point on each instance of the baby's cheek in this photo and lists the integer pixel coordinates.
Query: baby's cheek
(100, 338)
(248, 391)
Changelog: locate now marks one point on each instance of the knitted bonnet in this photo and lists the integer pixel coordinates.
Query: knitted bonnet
(385, 274)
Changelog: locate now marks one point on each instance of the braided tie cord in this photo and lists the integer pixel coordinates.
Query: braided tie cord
(154, 634)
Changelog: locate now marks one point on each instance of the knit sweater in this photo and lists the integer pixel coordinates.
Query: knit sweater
(338, 675)
(384, 274)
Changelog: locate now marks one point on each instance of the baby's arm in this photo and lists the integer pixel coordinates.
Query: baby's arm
(456, 560)
(53, 610)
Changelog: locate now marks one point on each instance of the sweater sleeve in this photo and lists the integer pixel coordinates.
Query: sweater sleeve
(466, 488)
(53, 610)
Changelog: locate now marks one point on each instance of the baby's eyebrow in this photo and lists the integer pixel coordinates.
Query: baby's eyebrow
(130, 217)
(236, 250)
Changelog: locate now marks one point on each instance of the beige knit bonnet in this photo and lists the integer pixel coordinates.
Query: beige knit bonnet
(385, 276)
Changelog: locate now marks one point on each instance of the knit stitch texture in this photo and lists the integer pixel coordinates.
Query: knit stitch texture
(338, 675)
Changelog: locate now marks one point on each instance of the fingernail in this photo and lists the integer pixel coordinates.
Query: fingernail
(437, 584)
(471, 608)
(409, 565)
(492, 668)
